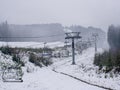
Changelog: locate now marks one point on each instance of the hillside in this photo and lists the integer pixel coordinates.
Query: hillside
(48, 33)
(45, 31)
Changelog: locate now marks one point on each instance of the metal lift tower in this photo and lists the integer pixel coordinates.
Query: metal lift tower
(73, 35)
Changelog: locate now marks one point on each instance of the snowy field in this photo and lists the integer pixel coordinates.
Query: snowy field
(46, 79)
(32, 44)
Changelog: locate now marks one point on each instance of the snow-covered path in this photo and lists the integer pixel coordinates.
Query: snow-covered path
(46, 79)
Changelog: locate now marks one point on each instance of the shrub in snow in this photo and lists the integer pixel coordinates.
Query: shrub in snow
(39, 61)
(16, 58)
(108, 61)
(47, 61)
(6, 50)
(34, 59)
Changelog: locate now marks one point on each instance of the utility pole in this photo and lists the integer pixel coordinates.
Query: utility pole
(73, 35)
(95, 35)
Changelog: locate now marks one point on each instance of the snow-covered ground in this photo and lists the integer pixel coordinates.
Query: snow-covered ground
(46, 79)
(85, 70)
(32, 44)
(42, 79)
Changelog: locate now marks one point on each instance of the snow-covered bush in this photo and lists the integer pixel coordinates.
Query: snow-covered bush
(34, 59)
(108, 61)
(39, 61)
(16, 58)
(6, 50)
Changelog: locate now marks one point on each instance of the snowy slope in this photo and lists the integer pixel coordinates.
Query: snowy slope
(43, 79)
(85, 70)
(46, 79)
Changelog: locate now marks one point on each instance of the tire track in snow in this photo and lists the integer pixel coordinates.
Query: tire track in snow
(82, 80)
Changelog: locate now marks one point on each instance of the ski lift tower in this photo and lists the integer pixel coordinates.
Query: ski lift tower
(95, 35)
(73, 35)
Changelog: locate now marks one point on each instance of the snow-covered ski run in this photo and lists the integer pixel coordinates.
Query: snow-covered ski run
(46, 79)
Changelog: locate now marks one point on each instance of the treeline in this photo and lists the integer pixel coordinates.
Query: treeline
(31, 30)
(4, 31)
(110, 60)
(114, 37)
(50, 32)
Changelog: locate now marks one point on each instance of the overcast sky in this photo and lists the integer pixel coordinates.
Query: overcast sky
(97, 13)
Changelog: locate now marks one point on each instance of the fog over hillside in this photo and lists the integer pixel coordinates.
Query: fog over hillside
(48, 33)
(44, 32)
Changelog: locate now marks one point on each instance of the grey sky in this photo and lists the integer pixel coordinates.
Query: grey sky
(97, 13)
